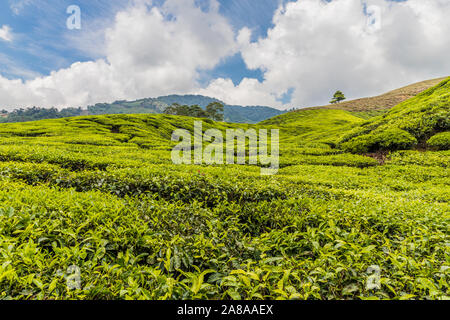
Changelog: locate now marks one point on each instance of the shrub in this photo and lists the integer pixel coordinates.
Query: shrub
(387, 140)
(440, 141)
(410, 122)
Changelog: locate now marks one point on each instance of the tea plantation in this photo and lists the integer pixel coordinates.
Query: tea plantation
(95, 202)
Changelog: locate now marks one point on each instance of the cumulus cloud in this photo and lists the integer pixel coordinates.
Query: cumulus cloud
(6, 33)
(314, 48)
(249, 92)
(149, 52)
(360, 47)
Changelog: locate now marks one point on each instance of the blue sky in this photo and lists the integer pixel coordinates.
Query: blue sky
(131, 49)
(43, 45)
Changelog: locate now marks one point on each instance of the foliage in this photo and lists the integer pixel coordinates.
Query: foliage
(412, 122)
(233, 114)
(389, 139)
(100, 195)
(213, 111)
(34, 113)
(440, 141)
(338, 97)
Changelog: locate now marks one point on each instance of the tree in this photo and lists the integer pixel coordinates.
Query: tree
(338, 97)
(214, 111)
(173, 109)
(197, 112)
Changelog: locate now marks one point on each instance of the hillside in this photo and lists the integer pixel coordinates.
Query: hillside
(365, 107)
(419, 122)
(422, 121)
(384, 101)
(101, 193)
(313, 125)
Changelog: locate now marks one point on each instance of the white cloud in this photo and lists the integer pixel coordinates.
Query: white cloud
(249, 92)
(317, 47)
(6, 34)
(314, 48)
(149, 52)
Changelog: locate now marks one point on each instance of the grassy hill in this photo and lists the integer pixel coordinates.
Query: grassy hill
(409, 124)
(378, 104)
(101, 193)
(419, 122)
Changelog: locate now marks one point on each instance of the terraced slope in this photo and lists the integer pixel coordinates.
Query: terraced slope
(410, 124)
(99, 197)
(422, 122)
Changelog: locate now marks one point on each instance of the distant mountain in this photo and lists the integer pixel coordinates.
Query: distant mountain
(236, 114)
(253, 114)
(188, 99)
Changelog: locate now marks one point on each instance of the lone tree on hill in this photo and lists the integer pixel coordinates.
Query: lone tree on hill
(338, 97)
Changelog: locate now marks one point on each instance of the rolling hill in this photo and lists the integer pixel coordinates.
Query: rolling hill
(422, 121)
(363, 108)
(410, 124)
(385, 101)
(101, 195)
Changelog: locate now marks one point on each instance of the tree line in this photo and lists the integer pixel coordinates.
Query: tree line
(36, 113)
(213, 111)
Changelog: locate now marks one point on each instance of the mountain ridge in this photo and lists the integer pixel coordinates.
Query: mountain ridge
(232, 113)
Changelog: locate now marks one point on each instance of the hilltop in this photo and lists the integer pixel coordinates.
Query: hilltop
(363, 108)
(385, 101)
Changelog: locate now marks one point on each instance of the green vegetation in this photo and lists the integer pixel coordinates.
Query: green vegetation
(440, 141)
(411, 123)
(101, 193)
(385, 101)
(338, 97)
(32, 114)
(213, 111)
(233, 114)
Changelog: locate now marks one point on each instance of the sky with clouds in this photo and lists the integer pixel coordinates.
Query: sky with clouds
(281, 53)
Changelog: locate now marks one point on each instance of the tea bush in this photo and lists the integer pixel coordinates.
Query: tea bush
(389, 139)
(440, 141)
(93, 208)
(415, 120)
